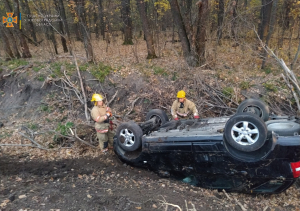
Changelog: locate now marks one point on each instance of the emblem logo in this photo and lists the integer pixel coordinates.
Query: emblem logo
(10, 19)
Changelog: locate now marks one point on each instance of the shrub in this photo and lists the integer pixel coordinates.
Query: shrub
(228, 91)
(100, 71)
(270, 87)
(160, 71)
(245, 85)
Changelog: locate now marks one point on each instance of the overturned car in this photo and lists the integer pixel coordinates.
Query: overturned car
(245, 152)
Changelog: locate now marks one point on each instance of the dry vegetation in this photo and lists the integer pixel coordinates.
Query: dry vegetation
(230, 75)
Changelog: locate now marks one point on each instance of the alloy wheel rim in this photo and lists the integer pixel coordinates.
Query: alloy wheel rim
(127, 137)
(244, 133)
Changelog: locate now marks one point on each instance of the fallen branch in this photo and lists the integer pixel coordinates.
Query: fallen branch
(72, 137)
(166, 204)
(113, 97)
(37, 145)
(132, 106)
(76, 136)
(16, 69)
(292, 90)
(22, 145)
(236, 201)
(289, 73)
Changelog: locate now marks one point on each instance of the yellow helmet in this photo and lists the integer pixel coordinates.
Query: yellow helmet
(181, 94)
(97, 97)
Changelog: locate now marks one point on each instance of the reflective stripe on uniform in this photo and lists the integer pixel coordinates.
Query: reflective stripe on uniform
(180, 114)
(102, 131)
(98, 118)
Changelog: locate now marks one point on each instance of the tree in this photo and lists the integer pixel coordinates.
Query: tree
(272, 23)
(220, 20)
(201, 30)
(18, 31)
(8, 52)
(84, 31)
(146, 29)
(101, 17)
(126, 17)
(49, 31)
(285, 22)
(234, 16)
(25, 7)
(265, 15)
(61, 10)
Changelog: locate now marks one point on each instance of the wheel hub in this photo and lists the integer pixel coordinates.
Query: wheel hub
(244, 133)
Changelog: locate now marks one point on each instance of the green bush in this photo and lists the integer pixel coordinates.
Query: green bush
(33, 126)
(56, 68)
(45, 108)
(64, 128)
(270, 87)
(14, 63)
(228, 91)
(160, 71)
(245, 85)
(100, 71)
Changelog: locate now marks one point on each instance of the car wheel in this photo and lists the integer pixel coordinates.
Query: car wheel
(161, 116)
(283, 127)
(245, 132)
(256, 107)
(129, 136)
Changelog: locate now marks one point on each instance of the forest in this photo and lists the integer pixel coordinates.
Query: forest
(197, 25)
(55, 54)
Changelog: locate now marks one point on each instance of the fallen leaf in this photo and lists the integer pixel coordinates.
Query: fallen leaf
(4, 203)
(138, 208)
(22, 196)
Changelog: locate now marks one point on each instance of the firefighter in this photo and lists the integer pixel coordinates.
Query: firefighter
(182, 108)
(101, 114)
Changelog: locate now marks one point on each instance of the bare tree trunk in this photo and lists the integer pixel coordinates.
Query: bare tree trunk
(201, 30)
(147, 33)
(61, 25)
(8, 52)
(84, 31)
(126, 17)
(285, 21)
(187, 17)
(64, 20)
(185, 43)
(11, 34)
(265, 14)
(296, 56)
(96, 20)
(49, 29)
(234, 15)
(24, 46)
(25, 6)
(220, 20)
(272, 23)
(101, 17)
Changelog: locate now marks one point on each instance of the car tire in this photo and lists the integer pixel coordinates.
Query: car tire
(162, 116)
(129, 136)
(283, 127)
(254, 106)
(245, 132)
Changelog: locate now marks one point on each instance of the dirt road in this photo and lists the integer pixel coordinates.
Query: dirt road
(105, 183)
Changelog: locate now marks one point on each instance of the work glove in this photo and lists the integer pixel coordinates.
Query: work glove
(108, 114)
(176, 118)
(196, 117)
